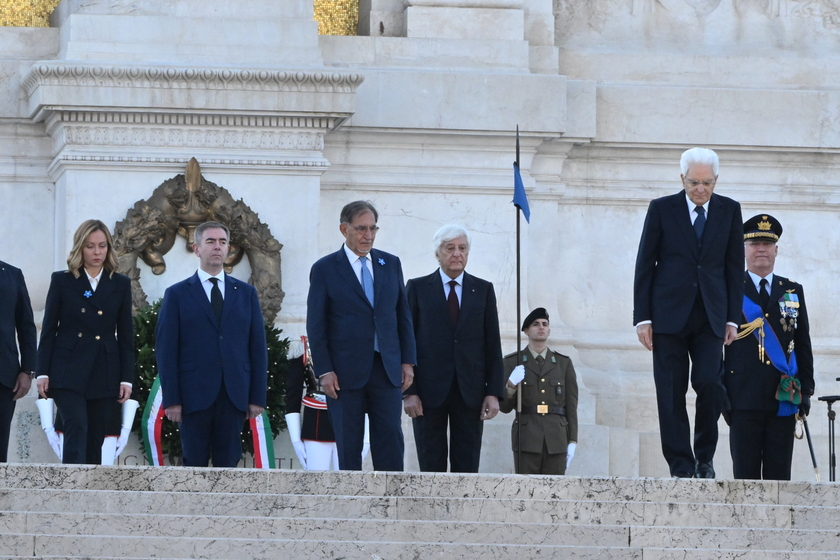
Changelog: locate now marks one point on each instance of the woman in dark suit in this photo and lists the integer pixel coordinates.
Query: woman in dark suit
(86, 354)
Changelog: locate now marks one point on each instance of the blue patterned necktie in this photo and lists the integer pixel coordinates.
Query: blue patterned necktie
(367, 285)
(367, 280)
(699, 222)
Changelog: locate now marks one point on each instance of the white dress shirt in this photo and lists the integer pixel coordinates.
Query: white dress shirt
(208, 285)
(357, 266)
(459, 288)
(94, 280)
(691, 206)
(757, 281)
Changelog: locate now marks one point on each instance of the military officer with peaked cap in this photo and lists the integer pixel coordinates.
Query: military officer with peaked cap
(549, 401)
(769, 375)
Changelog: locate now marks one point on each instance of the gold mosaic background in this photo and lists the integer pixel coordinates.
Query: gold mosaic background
(26, 13)
(337, 17)
(334, 17)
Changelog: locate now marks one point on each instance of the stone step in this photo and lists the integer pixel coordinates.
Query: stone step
(442, 485)
(53, 546)
(271, 549)
(379, 530)
(419, 508)
(234, 528)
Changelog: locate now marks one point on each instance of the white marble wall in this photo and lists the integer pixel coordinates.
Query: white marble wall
(419, 117)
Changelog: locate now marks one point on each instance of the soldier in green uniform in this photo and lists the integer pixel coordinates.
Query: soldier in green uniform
(549, 402)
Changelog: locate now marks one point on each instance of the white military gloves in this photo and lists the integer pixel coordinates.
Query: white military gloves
(46, 407)
(293, 420)
(517, 375)
(129, 409)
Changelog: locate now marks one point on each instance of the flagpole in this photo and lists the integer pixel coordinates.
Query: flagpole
(518, 323)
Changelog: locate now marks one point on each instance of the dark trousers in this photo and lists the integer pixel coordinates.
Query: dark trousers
(761, 444)
(214, 432)
(465, 430)
(7, 411)
(540, 463)
(86, 423)
(671, 353)
(383, 404)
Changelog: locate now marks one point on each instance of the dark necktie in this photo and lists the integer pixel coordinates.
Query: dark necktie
(699, 222)
(540, 362)
(763, 294)
(452, 303)
(217, 302)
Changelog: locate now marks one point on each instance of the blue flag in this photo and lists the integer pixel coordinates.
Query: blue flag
(520, 199)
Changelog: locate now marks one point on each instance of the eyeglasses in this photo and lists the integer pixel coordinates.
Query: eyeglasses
(694, 183)
(361, 230)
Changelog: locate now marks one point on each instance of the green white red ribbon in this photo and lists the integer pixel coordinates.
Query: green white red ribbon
(263, 442)
(153, 424)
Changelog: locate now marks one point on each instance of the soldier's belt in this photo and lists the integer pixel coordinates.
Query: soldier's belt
(544, 409)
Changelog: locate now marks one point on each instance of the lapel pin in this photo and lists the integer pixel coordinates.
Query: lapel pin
(382, 262)
(88, 293)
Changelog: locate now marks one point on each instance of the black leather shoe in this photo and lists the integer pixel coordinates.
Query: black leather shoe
(704, 470)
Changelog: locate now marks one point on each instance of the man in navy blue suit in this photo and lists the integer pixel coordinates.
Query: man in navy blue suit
(687, 304)
(15, 373)
(211, 355)
(362, 341)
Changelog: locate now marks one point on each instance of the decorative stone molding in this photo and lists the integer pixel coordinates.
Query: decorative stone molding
(176, 207)
(192, 138)
(185, 160)
(94, 136)
(62, 73)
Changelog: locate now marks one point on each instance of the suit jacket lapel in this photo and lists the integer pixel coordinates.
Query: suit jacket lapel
(531, 363)
(467, 296)
(749, 288)
(345, 271)
(776, 291)
(231, 296)
(103, 290)
(197, 291)
(679, 211)
(82, 285)
(379, 274)
(713, 221)
(437, 297)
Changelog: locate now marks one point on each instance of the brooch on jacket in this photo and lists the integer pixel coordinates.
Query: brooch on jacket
(88, 293)
(381, 262)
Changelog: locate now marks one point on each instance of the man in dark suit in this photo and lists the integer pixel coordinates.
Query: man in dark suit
(459, 379)
(211, 355)
(687, 302)
(362, 345)
(15, 374)
(769, 373)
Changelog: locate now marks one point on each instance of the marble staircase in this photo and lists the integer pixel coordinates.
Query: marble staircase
(56, 511)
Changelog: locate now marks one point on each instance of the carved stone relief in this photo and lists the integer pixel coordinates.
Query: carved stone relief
(176, 208)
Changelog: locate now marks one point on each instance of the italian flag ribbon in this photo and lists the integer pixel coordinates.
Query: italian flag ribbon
(152, 424)
(263, 442)
(788, 393)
